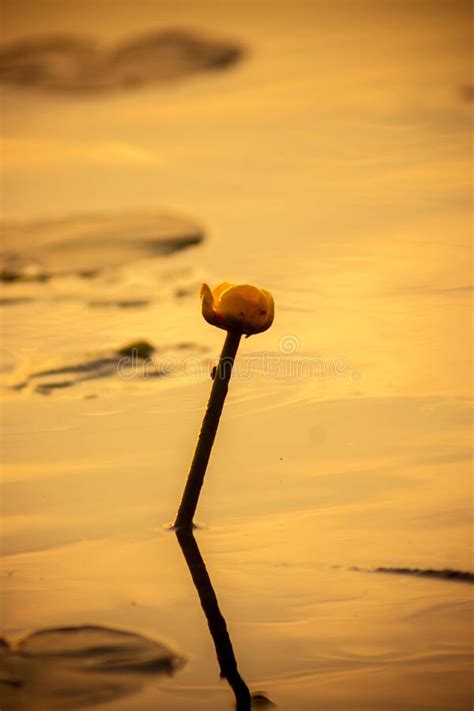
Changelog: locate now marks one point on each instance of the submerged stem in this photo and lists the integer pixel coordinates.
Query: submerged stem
(187, 508)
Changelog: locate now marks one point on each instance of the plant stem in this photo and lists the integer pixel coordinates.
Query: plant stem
(187, 508)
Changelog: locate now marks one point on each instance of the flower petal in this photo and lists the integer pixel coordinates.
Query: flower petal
(207, 305)
(218, 290)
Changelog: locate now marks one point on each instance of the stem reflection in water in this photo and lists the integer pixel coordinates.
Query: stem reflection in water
(215, 620)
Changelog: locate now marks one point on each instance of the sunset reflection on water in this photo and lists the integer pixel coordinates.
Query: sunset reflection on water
(323, 151)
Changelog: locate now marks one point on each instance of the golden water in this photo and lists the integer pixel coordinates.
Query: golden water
(332, 166)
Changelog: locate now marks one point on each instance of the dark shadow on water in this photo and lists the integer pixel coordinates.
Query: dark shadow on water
(457, 576)
(79, 65)
(80, 667)
(217, 624)
(91, 245)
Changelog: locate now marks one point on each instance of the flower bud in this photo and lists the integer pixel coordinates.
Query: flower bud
(238, 307)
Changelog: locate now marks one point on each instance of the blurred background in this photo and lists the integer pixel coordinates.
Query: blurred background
(321, 150)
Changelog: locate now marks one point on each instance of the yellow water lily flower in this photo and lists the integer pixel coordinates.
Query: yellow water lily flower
(238, 307)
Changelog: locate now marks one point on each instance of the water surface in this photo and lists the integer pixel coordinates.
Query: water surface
(330, 165)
